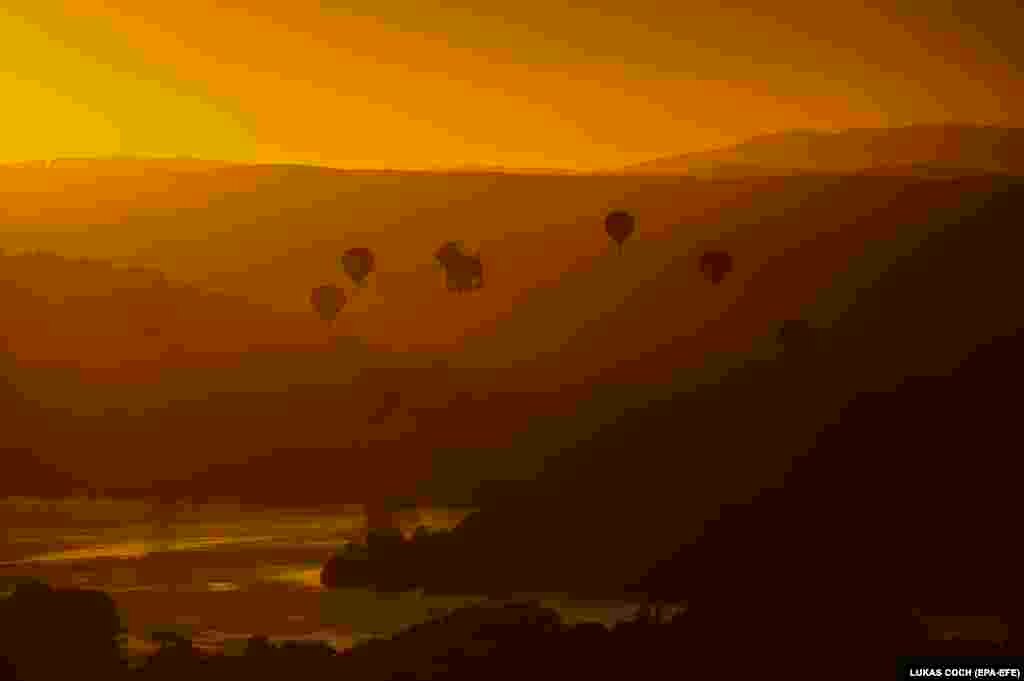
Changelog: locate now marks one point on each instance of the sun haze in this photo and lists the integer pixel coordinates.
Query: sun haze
(394, 84)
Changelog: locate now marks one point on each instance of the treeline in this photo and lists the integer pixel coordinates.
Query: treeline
(70, 633)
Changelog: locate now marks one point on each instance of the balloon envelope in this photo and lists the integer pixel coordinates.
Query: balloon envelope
(620, 225)
(464, 272)
(449, 252)
(358, 263)
(715, 265)
(327, 301)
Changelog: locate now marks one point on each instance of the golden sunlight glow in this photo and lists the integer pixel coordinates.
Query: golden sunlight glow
(400, 85)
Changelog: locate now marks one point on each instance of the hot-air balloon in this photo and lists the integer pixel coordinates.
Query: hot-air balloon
(464, 272)
(327, 301)
(620, 225)
(715, 265)
(447, 253)
(358, 264)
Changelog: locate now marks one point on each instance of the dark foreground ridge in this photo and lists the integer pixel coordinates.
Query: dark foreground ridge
(870, 469)
(74, 634)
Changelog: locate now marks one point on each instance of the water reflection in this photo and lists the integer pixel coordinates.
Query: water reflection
(224, 573)
(142, 549)
(305, 576)
(222, 586)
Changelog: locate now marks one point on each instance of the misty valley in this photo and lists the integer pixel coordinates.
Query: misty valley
(269, 419)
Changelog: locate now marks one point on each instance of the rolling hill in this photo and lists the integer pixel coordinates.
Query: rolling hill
(912, 150)
(822, 474)
(94, 317)
(567, 336)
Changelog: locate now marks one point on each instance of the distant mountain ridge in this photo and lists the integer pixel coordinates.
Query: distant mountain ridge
(912, 150)
(122, 162)
(472, 168)
(106, 164)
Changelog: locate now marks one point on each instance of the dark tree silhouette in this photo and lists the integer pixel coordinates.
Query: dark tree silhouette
(83, 623)
(492, 640)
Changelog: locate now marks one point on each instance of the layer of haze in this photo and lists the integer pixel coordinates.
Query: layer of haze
(395, 83)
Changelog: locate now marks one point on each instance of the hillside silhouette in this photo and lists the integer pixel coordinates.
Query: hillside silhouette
(93, 316)
(565, 337)
(271, 233)
(502, 639)
(794, 488)
(828, 462)
(915, 150)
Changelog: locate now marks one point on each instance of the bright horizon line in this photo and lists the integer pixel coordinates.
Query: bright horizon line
(339, 166)
(350, 167)
(477, 166)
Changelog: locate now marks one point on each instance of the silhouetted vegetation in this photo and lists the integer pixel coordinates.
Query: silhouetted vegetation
(74, 637)
(58, 634)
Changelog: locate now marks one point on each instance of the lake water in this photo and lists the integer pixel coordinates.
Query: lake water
(220, 573)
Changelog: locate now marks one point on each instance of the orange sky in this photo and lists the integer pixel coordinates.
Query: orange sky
(400, 83)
